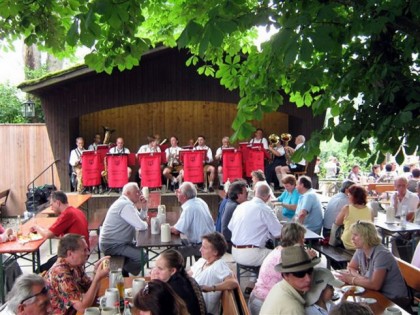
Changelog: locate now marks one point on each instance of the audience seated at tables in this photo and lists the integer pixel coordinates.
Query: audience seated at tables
(118, 232)
(289, 197)
(252, 224)
(29, 295)
(158, 298)
(309, 208)
(287, 296)
(351, 213)
(351, 308)
(319, 297)
(68, 284)
(373, 266)
(388, 176)
(237, 194)
(195, 220)
(11, 268)
(336, 203)
(414, 180)
(70, 220)
(291, 234)
(211, 272)
(355, 174)
(258, 178)
(374, 174)
(169, 268)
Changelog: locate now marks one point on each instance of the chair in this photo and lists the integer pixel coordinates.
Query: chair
(297, 174)
(242, 269)
(411, 275)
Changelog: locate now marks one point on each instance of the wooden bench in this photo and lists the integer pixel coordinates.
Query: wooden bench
(411, 275)
(4, 194)
(337, 254)
(234, 303)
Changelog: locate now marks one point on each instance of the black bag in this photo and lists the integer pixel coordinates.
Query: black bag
(38, 196)
(335, 236)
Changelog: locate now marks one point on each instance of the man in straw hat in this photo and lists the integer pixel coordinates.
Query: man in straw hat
(286, 297)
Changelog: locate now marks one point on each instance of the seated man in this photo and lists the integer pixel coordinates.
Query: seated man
(195, 220)
(259, 138)
(174, 163)
(252, 224)
(388, 176)
(29, 295)
(76, 163)
(219, 158)
(309, 208)
(96, 141)
(118, 233)
(292, 168)
(208, 168)
(68, 284)
(354, 175)
(151, 146)
(120, 149)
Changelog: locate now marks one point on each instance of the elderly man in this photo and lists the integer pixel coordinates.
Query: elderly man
(69, 286)
(336, 203)
(70, 220)
(252, 224)
(195, 220)
(292, 168)
(209, 169)
(287, 296)
(76, 163)
(237, 194)
(118, 232)
(29, 296)
(309, 208)
(120, 149)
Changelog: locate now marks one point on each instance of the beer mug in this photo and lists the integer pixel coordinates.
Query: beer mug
(92, 311)
(138, 284)
(108, 310)
(110, 298)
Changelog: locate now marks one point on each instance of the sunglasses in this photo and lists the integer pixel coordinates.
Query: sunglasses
(301, 274)
(44, 291)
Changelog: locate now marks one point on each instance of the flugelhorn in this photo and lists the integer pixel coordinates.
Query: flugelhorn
(274, 139)
(107, 136)
(286, 137)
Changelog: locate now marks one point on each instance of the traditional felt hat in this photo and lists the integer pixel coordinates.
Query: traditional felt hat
(321, 277)
(295, 258)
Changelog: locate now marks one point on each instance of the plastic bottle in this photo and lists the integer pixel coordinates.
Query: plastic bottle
(117, 308)
(404, 216)
(127, 310)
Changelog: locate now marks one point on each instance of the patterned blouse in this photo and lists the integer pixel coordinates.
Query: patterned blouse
(66, 284)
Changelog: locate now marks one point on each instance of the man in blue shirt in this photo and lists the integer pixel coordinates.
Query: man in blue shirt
(309, 208)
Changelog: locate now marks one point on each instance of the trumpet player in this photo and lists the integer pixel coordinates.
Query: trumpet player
(174, 163)
(219, 157)
(209, 169)
(292, 168)
(151, 147)
(76, 163)
(120, 149)
(279, 159)
(259, 138)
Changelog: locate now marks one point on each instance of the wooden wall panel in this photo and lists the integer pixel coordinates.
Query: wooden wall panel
(185, 119)
(26, 153)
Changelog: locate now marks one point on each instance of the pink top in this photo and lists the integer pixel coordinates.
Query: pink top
(268, 276)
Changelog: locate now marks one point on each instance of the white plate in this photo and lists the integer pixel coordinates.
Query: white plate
(369, 300)
(357, 289)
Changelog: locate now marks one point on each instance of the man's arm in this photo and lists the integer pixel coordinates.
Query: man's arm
(302, 215)
(46, 233)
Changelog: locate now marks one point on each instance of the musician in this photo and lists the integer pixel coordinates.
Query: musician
(259, 138)
(76, 162)
(292, 168)
(120, 149)
(151, 147)
(279, 159)
(174, 163)
(96, 141)
(219, 157)
(208, 168)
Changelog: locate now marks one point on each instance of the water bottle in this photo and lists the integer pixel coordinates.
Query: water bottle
(127, 310)
(404, 216)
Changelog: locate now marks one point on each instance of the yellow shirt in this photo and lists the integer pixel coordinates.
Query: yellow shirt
(353, 216)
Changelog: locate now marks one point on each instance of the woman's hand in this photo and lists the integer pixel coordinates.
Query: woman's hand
(207, 288)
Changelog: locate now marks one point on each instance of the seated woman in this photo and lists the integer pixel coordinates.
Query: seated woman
(211, 271)
(355, 210)
(289, 198)
(373, 266)
(291, 234)
(158, 298)
(169, 268)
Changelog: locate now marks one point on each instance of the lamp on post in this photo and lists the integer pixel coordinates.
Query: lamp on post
(28, 109)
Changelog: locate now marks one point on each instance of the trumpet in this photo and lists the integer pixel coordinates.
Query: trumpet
(286, 137)
(107, 136)
(274, 139)
(195, 143)
(164, 141)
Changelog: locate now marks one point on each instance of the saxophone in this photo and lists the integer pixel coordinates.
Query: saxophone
(104, 173)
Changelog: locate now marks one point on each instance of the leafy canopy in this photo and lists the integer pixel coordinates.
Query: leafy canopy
(357, 58)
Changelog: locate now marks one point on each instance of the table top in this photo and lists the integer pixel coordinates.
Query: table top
(310, 235)
(395, 227)
(74, 200)
(32, 246)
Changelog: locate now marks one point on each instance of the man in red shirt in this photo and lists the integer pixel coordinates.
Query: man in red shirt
(70, 220)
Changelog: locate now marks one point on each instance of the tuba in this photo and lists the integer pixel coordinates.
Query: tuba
(273, 139)
(286, 137)
(107, 134)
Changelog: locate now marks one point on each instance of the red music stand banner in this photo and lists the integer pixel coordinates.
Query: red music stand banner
(150, 169)
(117, 170)
(91, 171)
(131, 159)
(255, 161)
(193, 165)
(232, 165)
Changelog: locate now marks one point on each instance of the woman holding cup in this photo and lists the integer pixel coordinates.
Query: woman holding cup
(169, 268)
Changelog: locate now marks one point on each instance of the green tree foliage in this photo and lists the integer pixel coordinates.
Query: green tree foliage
(10, 105)
(359, 58)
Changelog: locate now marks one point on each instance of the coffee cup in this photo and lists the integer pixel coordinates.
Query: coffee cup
(111, 297)
(108, 310)
(392, 310)
(138, 284)
(92, 311)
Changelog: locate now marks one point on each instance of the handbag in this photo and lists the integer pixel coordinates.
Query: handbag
(335, 236)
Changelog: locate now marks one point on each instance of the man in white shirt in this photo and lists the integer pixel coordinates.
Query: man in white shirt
(173, 162)
(120, 149)
(76, 162)
(252, 224)
(259, 138)
(151, 147)
(209, 169)
(118, 232)
(219, 157)
(96, 141)
(292, 168)
(195, 220)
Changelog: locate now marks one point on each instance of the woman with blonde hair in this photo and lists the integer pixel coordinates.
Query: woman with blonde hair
(373, 266)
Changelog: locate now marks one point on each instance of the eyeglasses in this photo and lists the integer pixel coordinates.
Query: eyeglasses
(44, 291)
(301, 274)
